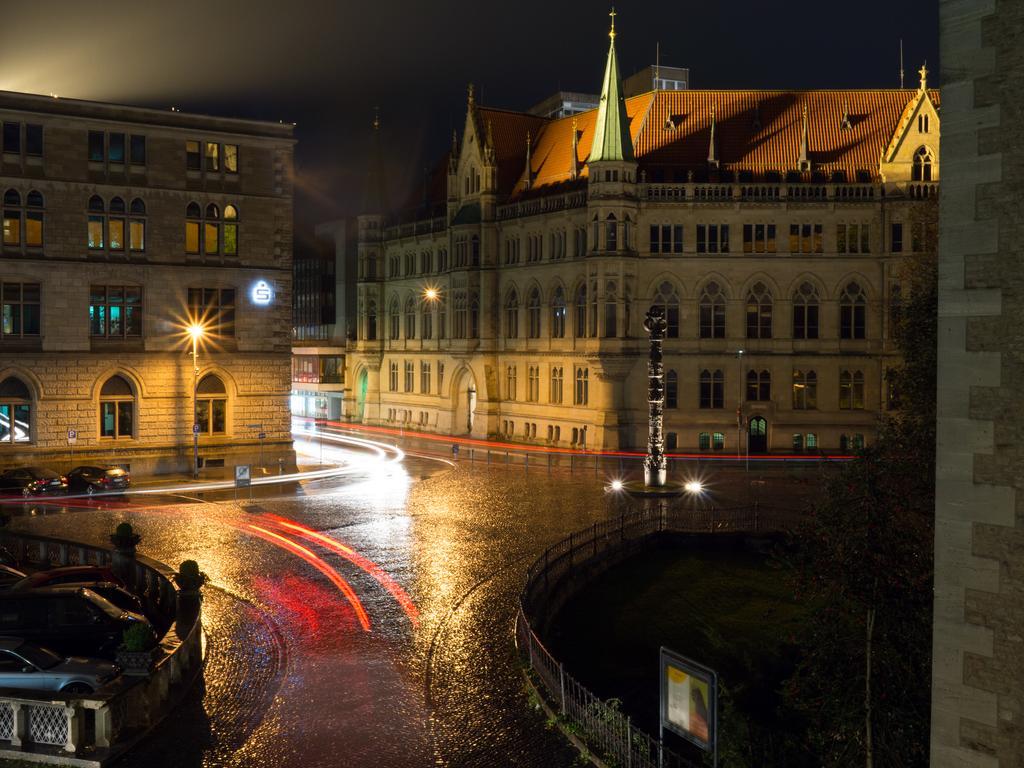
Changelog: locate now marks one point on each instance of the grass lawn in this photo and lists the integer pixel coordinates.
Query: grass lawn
(719, 600)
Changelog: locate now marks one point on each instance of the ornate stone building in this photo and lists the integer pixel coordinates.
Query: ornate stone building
(772, 227)
(121, 226)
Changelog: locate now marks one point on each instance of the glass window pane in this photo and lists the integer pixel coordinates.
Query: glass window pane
(5, 423)
(211, 238)
(133, 321)
(138, 150)
(219, 415)
(12, 137)
(212, 156)
(115, 148)
(231, 158)
(34, 140)
(116, 232)
(191, 237)
(108, 417)
(192, 158)
(12, 227)
(97, 319)
(30, 319)
(124, 418)
(96, 146)
(22, 422)
(95, 232)
(34, 228)
(203, 415)
(230, 239)
(137, 232)
(115, 319)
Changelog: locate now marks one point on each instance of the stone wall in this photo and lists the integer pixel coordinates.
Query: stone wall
(978, 660)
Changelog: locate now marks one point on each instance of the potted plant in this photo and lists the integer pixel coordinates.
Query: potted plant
(138, 649)
(189, 579)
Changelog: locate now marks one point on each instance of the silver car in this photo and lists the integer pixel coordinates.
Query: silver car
(32, 667)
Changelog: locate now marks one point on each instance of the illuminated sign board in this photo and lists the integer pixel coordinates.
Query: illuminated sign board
(689, 701)
(261, 293)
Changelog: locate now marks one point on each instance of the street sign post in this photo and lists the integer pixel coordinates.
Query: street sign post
(72, 439)
(243, 477)
(261, 436)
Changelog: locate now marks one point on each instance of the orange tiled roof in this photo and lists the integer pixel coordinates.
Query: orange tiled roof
(508, 130)
(755, 131)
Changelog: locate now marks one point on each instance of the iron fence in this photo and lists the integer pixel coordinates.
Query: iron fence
(552, 578)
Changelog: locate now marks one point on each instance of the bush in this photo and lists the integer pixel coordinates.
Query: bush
(189, 576)
(125, 537)
(138, 637)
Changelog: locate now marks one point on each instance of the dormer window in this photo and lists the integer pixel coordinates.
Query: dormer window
(922, 169)
(922, 123)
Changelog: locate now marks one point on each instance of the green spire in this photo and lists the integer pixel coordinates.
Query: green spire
(611, 133)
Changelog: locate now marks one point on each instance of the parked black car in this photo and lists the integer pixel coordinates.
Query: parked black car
(9, 576)
(32, 481)
(90, 480)
(74, 621)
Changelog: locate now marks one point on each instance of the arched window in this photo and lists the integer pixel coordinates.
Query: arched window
(533, 314)
(371, 320)
(510, 383)
(427, 323)
(211, 405)
(668, 300)
(230, 230)
(611, 311)
(460, 319)
(580, 303)
(96, 223)
(442, 317)
(393, 320)
(582, 386)
(805, 390)
(117, 408)
(28, 221)
(852, 312)
(211, 230)
(712, 389)
(193, 217)
(410, 318)
(137, 225)
(611, 236)
(805, 312)
(558, 314)
(15, 411)
(712, 312)
(671, 390)
(116, 225)
(759, 385)
(851, 390)
(922, 168)
(474, 315)
(474, 251)
(557, 382)
(512, 315)
(759, 312)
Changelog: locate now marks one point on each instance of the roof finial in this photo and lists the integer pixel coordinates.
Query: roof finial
(611, 32)
(923, 72)
(529, 164)
(712, 149)
(469, 93)
(804, 161)
(574, 170)
(376, 118)
(901, 63)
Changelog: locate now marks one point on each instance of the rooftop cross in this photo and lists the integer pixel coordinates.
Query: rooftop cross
(611, 32)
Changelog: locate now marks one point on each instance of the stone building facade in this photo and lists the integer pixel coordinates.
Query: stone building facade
(122, 226)
(772, 225)
(978, 646)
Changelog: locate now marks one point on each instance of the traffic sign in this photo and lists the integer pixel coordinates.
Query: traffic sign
(195, 429)
(242, 476)
(72, 437)
(263, 436)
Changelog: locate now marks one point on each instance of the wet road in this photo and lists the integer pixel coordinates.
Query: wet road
(294, 679)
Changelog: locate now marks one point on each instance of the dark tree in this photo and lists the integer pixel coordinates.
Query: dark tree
(864, 562)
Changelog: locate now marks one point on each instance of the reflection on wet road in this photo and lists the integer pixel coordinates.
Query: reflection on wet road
(378, 635)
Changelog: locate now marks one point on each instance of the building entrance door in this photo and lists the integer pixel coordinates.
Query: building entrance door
(758, 436)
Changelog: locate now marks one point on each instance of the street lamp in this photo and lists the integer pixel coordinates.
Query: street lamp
(430, 293)
(739, 408)
(196, 332)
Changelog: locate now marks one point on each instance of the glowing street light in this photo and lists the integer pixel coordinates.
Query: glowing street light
(430, 293)
(615, 485)
(694, 487)
(196, 331)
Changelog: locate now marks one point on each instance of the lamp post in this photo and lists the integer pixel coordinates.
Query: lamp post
(739, 410)
(195, 331)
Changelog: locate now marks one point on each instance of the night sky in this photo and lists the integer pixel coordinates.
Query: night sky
(325, 64)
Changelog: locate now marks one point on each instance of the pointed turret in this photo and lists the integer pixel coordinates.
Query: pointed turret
(804, 161)
(611, 132)
(712, 144)
(529, 164)
(574, 168)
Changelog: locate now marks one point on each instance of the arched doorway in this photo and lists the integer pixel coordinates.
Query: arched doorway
(758, 436)
(464, 405)
(362, 381)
